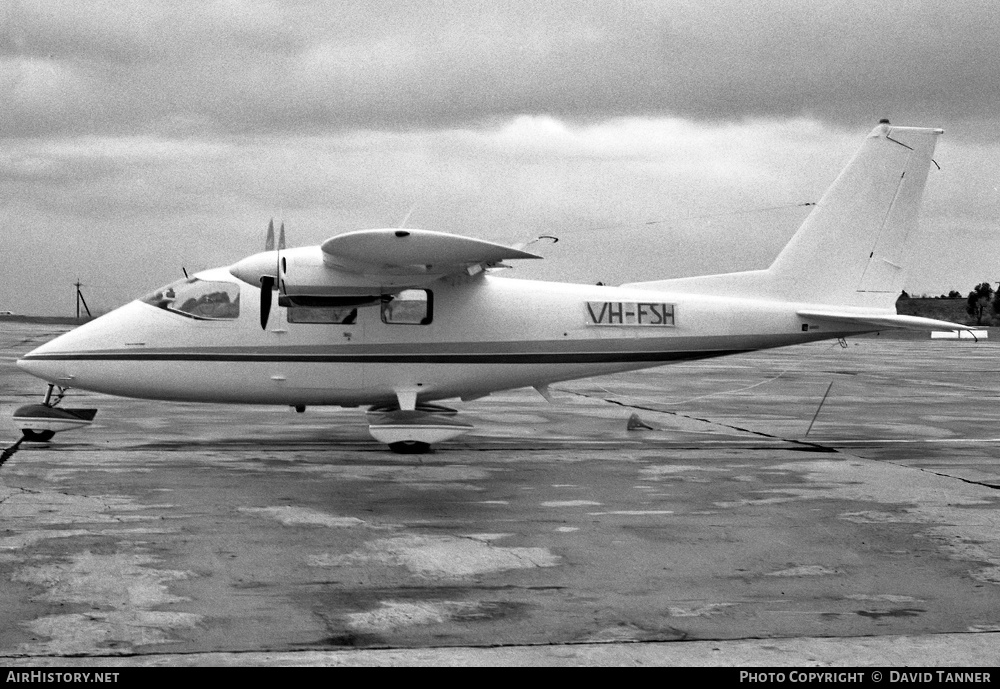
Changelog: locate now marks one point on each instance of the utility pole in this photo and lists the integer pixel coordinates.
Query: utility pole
(80, 300)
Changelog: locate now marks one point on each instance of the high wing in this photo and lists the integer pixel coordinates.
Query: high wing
(413, 252)
(370, 262)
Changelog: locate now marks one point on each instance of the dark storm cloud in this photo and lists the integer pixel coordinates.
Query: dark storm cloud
(654, 138)
(253, 67)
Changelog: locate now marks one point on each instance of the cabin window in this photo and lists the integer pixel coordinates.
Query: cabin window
(200, 299)
(329, 310)
(319, 314)
(409, 307)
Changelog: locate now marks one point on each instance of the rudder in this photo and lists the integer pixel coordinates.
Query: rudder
(851, 248)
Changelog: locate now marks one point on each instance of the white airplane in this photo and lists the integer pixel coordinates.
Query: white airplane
(397, 319)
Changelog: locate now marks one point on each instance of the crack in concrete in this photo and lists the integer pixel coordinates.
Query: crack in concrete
(943, 475)
(672, 641)
(813, 447)
(18, 490)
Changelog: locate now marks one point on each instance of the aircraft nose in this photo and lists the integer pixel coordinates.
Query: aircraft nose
(56, 360)
(84, 357)
(45, 367)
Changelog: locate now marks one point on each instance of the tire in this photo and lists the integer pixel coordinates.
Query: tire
(33, 436)
(410, 447)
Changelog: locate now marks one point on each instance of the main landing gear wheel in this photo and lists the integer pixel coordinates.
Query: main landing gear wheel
(410, 447)
(412, 432)
(37, 436)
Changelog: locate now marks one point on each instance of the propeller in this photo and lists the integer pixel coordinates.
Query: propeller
(269, 242)
(269, 283)
(266, 287)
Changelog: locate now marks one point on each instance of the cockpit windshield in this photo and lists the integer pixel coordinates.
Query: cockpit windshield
(201, 299)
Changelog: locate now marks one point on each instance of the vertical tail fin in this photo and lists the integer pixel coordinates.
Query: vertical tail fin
(850, 250)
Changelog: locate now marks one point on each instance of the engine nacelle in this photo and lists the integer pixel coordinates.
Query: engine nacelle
(307, 271)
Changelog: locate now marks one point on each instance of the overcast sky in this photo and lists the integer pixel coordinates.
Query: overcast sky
(655, 139)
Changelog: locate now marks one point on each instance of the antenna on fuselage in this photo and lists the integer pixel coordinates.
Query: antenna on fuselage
(523, 245)
(406, 218)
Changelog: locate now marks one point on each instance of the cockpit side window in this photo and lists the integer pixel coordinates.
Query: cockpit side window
(200, 299)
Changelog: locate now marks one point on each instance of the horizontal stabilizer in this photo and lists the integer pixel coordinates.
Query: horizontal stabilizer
(887, 321)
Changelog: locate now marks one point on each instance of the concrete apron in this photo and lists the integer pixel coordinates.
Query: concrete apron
(294, 539)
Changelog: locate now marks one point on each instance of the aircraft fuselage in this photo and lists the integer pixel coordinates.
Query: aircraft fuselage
(484, 334)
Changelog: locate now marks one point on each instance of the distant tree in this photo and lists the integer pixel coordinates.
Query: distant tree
(996, 304)
(903, 295)
(954, 294)
(978, 301)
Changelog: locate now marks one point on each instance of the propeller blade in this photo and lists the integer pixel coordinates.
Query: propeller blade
(269, 241)
(266, 285)
(280, 270)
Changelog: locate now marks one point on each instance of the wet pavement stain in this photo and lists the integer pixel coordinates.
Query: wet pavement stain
(898, 612)
(118, 592)
(393, 615)
(351, 640)
(430, 556)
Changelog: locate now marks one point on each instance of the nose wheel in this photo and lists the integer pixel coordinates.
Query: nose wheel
(33, 436)
(40, 422)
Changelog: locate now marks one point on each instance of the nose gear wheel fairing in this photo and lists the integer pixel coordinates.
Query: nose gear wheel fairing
(39, 422)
